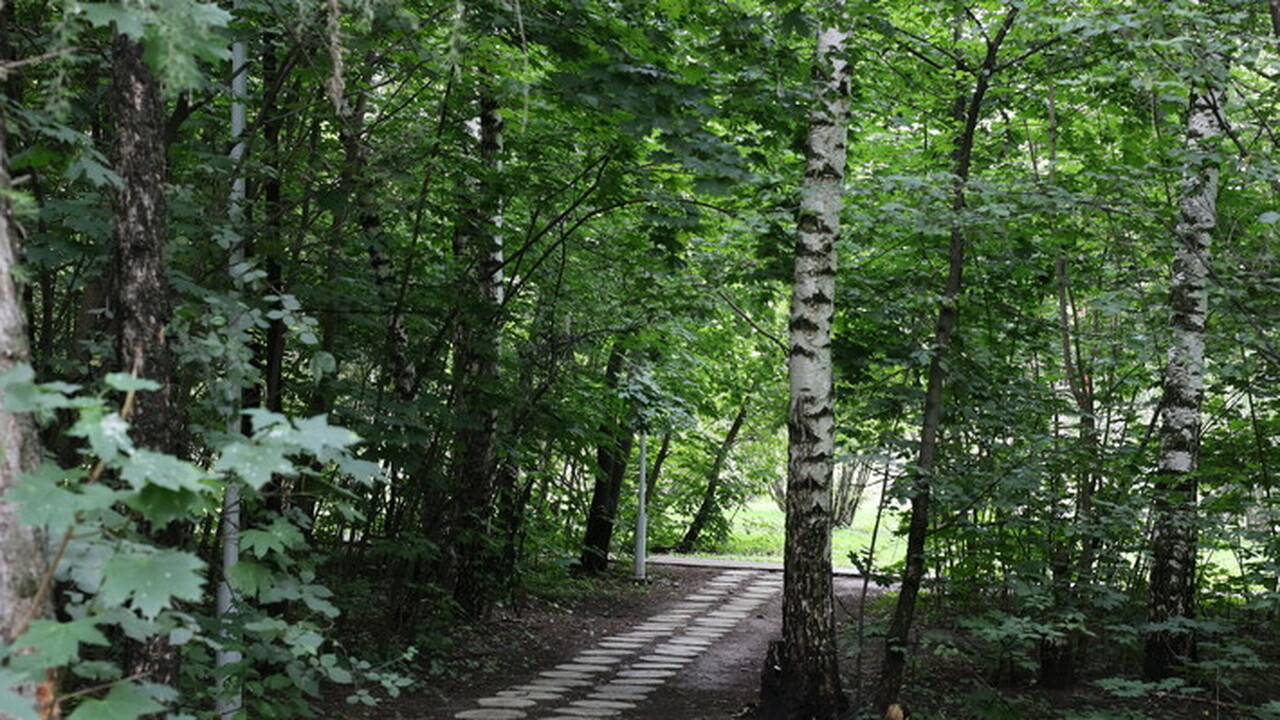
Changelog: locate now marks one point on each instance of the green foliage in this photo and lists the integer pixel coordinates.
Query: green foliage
(118, 581)
(1108, 714)
(176, 34)
(648, 182)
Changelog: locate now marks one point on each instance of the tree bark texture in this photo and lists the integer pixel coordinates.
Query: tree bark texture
(611, 462)
(800, 678)
(477, 344)
(1071, 566)
(1171, 592)
(708, 504)
(968, 111)
(22, 547)
(363, 191)
(141, 301)
(664, 450)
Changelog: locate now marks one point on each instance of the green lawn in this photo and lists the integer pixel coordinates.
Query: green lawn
(759, 530)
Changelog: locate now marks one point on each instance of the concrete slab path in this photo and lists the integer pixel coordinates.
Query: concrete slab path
(615, 677)
(714, 562)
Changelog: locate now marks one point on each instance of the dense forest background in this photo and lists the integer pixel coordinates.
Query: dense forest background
(344, 319)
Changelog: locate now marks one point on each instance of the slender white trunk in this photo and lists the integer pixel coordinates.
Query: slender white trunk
(642, 517)
(227, 704)
(477, 346)
(806, 682)
(1171, 592)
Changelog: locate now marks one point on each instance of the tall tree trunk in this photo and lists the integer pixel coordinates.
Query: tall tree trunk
(1171, 592)
(611, 469)
(801, 678)
(22, 549)
(968, 111)
(664, 450)
(270, 243)
(477, 344)
(1071, 567)
(141, 300)
(708, 504)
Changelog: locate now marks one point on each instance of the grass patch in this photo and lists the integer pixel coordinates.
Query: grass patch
(759, 531)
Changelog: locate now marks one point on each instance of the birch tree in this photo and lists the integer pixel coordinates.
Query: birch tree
(477, 342)
(800, 678)
(1171, 592)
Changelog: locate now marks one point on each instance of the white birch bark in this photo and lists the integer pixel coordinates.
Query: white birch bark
(807, 682)
(477, 345)
(1174, 535)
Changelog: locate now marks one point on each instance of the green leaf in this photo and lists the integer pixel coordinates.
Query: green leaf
(128, 21)
(322, 363)
(99, 670)
(21, 394)
(126, 701)
(316, 597)
(12, 705)
(151, 580)
(249, 578)
(303, 639)
(108, 434)
(1268, 711)
(53, 643)
(124, 382)
(262, 419)
(181, 636)
(20, 373)
(316, 435)
(281, 536)
(161, 506)
(148, 467)
(92, 171)
(337, 673)
(44, 500)
(254, 462)
(364, 472)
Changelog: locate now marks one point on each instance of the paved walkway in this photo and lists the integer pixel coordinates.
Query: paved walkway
(715, 562)
(621, 671)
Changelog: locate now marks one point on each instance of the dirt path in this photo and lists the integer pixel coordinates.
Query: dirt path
(695, 655)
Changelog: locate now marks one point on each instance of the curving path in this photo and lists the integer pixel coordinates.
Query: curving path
(622, 671)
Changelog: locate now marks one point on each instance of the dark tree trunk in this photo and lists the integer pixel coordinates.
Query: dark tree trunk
(611, 468)
(477, 343)
(141, 301)
(968, 111)
(271, 244)
(1071, 562)
(708, 505)
(664, 450)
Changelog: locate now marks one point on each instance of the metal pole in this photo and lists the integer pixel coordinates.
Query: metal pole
(228, 705)
(642, 516)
